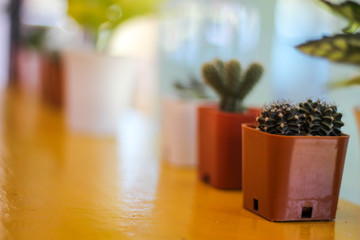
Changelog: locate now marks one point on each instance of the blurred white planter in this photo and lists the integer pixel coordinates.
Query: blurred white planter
(179, 131)
(97, 89)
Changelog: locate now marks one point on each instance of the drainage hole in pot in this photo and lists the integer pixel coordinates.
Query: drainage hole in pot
(256, 205)
(306, 212)
(206, 178)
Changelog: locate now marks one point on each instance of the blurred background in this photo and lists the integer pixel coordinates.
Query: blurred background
(127, 55)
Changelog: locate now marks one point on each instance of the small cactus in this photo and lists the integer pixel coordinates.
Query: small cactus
(307, 118)
(228, 82)
(192, 90)
(281, 118)
(322, 119)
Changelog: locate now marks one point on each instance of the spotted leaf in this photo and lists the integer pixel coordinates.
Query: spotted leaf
(343, 48)
(349, 10)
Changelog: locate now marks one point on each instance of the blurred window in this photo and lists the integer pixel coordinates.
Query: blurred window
(44, 12)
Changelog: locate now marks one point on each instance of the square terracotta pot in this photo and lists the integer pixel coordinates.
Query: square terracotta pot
(292, 178)
(219, 146)
(179, 123)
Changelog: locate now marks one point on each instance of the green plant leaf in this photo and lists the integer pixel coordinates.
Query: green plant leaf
(351, 27)
(349, 10)
(342, 48)
(346, 83)
(92, 15)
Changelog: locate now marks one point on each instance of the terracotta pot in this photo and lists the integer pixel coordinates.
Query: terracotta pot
(292, 178)
(179, 131)
(357, 115)
(219, 146)
(52, 79)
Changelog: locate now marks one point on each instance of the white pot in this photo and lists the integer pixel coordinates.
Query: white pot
(179, 131)
(97, 89)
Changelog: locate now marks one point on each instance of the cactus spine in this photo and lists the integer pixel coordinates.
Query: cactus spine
(227, 81)
(307, 118)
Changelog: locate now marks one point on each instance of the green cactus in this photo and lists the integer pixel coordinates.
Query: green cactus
(322, 119)
(227, 81)
(307, 118)
(281, 118)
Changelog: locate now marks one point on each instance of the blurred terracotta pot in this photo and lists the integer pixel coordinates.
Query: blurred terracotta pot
(292, 178)
(357, 116)
(179, 131)
(219, 146)
(52, 80)
(98, 88)
(41, 72)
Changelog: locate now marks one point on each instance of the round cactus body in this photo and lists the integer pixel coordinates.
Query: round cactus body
(280, 118)
(308, 118)
(322, 119)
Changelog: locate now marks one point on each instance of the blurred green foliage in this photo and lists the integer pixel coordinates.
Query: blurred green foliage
(341, 48)
(98, 16)
(193, 89)
(33, 37)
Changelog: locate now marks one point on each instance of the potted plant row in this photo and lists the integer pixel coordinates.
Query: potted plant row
(293, 161)
(219, 127)
(179, 122)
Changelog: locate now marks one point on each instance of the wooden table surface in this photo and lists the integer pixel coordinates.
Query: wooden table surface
(55, 184)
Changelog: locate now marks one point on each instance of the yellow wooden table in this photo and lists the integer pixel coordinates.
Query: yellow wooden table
(58, 185)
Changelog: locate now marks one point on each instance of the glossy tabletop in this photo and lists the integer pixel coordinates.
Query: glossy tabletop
(55, 184)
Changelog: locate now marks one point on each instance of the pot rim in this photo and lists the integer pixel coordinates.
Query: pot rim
(90, 52)
(217, 109)
(252, 127)
(198, 101)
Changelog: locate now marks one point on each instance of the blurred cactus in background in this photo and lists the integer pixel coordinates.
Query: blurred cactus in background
(100, 17)
(193, 90)
(33, 37)
(229, 83)
(341, 48)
